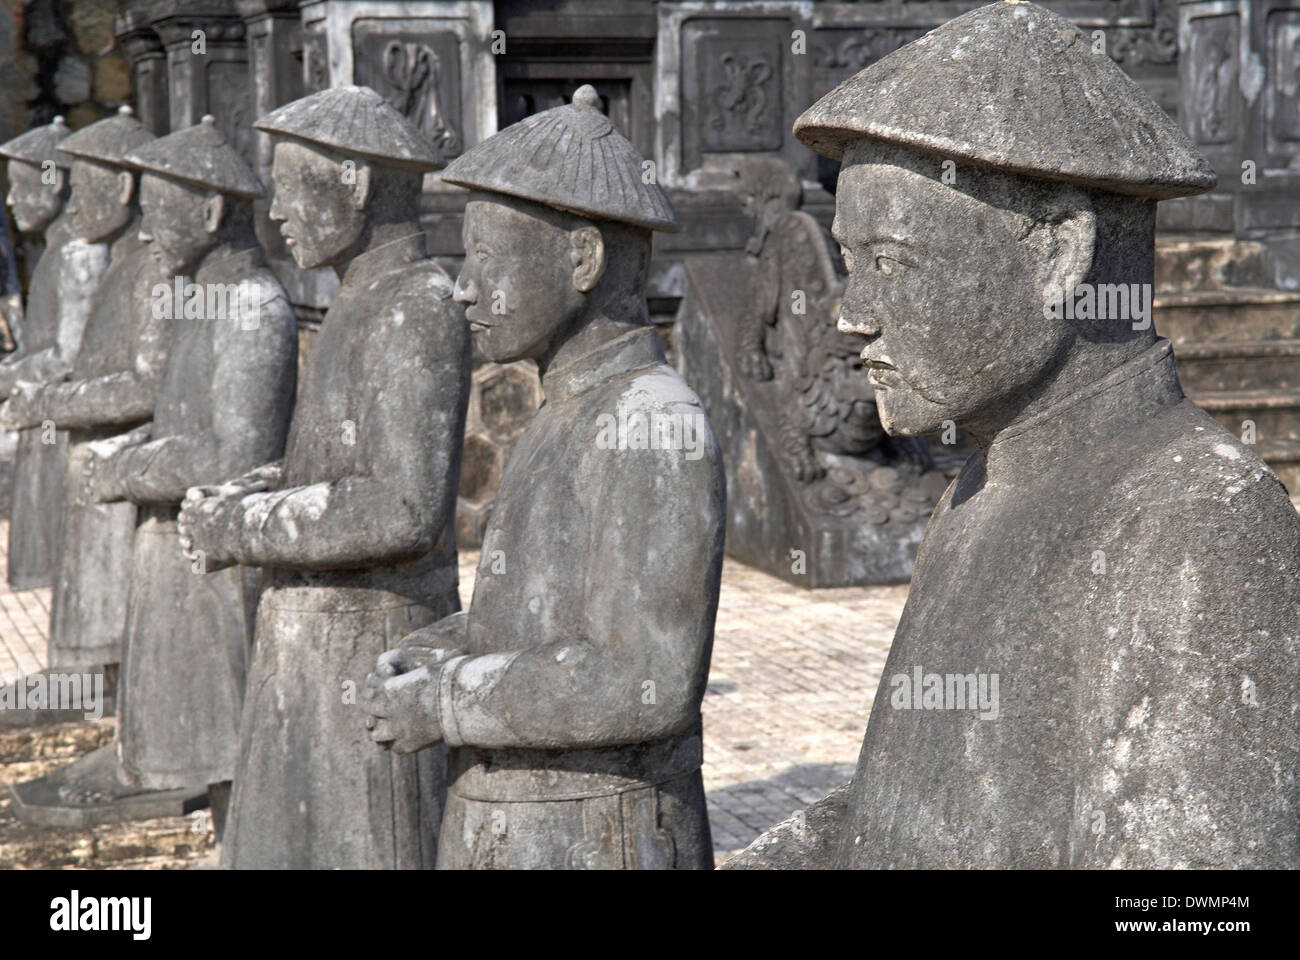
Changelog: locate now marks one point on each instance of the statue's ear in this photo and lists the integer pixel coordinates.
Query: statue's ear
(125, 186)
(214, 209)
(1068, 233)
(361, 185)
(587, 254)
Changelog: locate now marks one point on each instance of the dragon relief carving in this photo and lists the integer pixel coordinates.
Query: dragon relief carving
(830, 436)
(743, 92)
(412, 71)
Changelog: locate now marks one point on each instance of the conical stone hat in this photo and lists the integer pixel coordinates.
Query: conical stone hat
(108, 140)
(569, 157)
(1013, 87)
(355, 120)
(199, 155)
(39, 144)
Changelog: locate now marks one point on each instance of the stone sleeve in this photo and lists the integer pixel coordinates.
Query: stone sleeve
(82, 268)
(637, 672)
(84, 265)
(416, 391)
(121, 398)
(38, 367)
(251, 395)
(807, 841)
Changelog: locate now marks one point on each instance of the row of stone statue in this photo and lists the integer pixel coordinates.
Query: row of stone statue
(284, 575)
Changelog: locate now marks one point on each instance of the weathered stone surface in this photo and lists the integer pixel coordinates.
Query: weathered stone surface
(1096, 666)
(112, 80)
(355, 524)
(111, 386)
(58, 303)
(816, 493)
(569, 694)
(222, 408)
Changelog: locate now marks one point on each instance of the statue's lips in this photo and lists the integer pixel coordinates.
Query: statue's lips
(881, 373)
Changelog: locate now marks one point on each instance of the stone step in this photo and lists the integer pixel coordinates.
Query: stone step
(1284, 458)
(1236, 315)
(1239, 365)
(1207, 263)
(1275, 413)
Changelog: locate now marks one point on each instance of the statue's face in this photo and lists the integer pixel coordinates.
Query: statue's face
(517, 281)
(175, 220)
(102, 200)
(316, 203)
(34, 203)
(946, 295)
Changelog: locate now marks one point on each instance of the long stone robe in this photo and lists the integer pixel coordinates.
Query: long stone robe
(223, 408)
(58, 304)
(1130, 573)
(111, 388)
(574, 717)
(359, 540)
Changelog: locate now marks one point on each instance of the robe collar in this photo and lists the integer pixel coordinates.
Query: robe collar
(390, 256)
(628, 351)
(227, 261)
(1075, 425)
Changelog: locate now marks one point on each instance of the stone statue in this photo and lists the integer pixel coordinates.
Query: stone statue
(110, 387)
(222, 408)
(816, 491)
(356, 523)
(58, 303)
(569, 693)
(1098, 664)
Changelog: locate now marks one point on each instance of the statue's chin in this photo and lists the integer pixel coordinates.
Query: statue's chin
(901, 414)
(305, 259)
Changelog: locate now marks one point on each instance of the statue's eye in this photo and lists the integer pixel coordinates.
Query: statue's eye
(887, 265)
(481, 254)
(848, 259)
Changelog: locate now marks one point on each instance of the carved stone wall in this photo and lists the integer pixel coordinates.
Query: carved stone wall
(1239, 72)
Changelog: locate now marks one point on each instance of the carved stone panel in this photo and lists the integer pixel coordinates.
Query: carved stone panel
(418, 71)
(1211, 67)
(431, 60)
(315, 57)
(732, 79)
(734, 85)
(1284, 83)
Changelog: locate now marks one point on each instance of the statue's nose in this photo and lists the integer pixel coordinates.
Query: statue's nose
(861, 324)
(465, 290)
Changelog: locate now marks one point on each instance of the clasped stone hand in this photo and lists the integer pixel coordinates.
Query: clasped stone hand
(206, 515)
(401, 698)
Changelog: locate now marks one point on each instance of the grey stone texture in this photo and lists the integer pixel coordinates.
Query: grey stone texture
(54, 317)
(223, 408)
(355, 525)
(110, 387)
(816, 492)
(1120, 565)
(569, 693)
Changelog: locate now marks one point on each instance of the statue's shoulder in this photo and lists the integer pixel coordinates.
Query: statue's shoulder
(425, 280)
(654, 411)
(1199, 482)
(655, 387)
